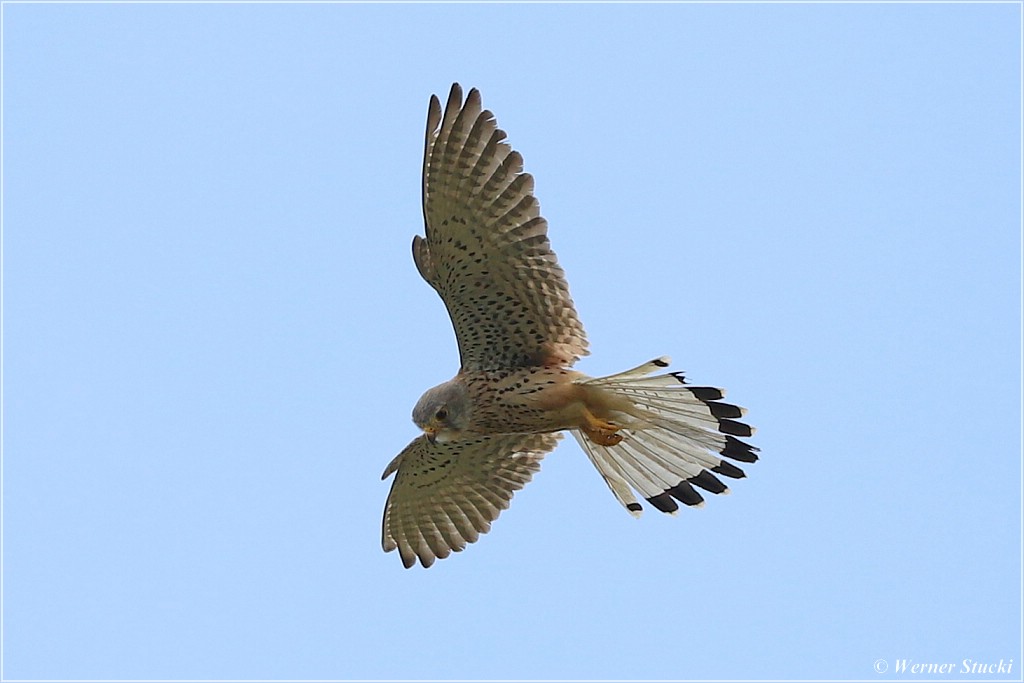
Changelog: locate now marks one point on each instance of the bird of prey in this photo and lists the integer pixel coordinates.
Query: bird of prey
(486, 252)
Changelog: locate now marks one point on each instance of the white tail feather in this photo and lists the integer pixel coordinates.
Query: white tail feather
(674, 438)
(639, 371)
(611, 471)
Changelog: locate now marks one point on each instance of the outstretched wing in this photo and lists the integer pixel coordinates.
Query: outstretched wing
(486, 251)
(446, 494)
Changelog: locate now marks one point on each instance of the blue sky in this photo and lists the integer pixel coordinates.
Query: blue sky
(214, 336)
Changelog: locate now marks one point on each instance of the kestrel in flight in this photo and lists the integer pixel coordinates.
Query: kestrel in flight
(487, 254)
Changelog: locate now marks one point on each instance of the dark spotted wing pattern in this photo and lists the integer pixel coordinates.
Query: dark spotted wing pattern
(446, 494)
(486, 250)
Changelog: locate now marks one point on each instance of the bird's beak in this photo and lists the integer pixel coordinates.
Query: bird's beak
(431, 434)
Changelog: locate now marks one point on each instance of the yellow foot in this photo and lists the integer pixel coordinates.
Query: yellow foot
(601, 432)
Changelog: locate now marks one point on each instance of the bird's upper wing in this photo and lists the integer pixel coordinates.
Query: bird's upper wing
(446, 494)
(486, 250)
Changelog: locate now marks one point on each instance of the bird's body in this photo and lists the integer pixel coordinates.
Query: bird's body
(487, 254)
(520, 400)
(536, 400)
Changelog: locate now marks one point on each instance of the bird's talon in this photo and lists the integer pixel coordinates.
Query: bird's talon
(601, 432)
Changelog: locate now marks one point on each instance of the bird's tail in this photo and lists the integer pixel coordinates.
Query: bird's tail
(675, 438)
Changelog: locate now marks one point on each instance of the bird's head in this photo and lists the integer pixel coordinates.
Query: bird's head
(442, 411)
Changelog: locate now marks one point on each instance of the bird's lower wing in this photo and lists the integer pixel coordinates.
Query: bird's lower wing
(446, 494)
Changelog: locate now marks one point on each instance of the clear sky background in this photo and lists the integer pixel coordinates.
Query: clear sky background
(214, 335)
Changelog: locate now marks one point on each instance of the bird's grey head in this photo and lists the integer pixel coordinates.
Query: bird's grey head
(443, 410)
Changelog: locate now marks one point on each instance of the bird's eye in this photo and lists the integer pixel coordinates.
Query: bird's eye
(441, 414)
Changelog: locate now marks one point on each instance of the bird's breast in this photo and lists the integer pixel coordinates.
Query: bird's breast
(524, 400)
